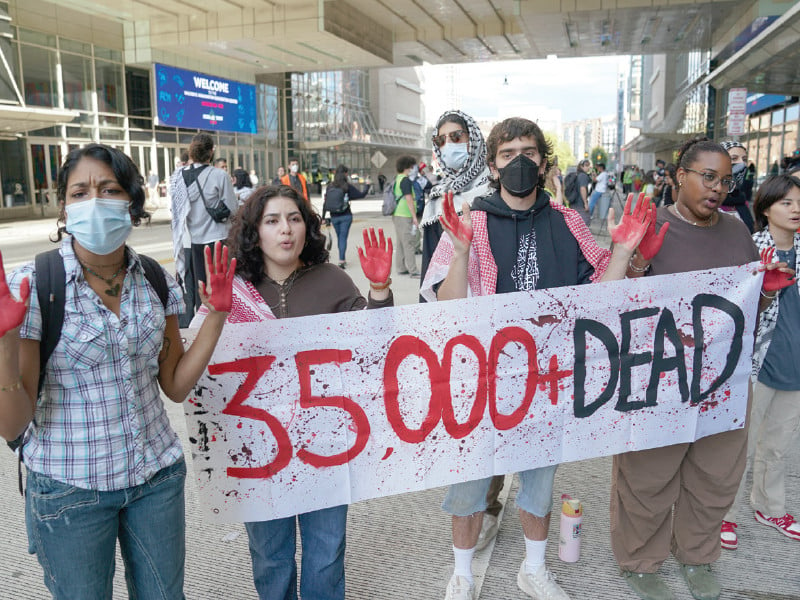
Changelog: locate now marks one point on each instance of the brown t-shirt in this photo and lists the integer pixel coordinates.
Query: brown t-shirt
(315, 290)
(687, 247)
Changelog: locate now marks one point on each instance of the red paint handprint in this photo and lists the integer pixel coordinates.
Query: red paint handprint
(652, 241)
(634, 224)
(460, 230)
(777, 275)
(219, 275)
(376, 256)
(12, 311)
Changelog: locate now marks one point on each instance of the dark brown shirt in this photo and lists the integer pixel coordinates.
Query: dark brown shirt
(316, 290)
(687, 247)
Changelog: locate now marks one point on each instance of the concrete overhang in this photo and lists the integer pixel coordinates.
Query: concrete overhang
(768, 64)
(20, 119)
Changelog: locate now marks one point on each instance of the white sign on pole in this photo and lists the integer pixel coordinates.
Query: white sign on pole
(737, 111)
(378, 159)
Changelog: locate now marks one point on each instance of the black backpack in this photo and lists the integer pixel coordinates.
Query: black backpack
(571, 187)
(336, 200)
(51, 283)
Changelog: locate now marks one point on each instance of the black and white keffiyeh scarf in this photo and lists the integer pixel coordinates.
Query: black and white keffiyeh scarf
(470, 181)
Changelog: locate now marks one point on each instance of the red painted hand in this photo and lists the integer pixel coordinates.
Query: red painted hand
(777, 275)
(634, 224)
(219, 275)
(12, 311)
(652, 241)
(460, 230)
(376, 256)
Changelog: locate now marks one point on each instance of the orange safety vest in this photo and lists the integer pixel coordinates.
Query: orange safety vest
(285, 180)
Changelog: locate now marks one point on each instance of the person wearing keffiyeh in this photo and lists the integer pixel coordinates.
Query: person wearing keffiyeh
(516, 239)
(737, 202)
(460, 150)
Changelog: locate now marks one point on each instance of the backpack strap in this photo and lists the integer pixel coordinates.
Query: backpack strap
(155, 275)
(51, 283)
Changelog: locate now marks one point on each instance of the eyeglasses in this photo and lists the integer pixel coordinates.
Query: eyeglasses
(455, 136)
(710, 180)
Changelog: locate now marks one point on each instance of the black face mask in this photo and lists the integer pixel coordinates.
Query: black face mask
(520, 176)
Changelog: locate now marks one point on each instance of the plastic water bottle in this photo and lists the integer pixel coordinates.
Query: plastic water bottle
(569, 537)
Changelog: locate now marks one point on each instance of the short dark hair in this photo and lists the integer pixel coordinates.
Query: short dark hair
(661, 162)
(773, 189)
(201, 150)
(184, 156)
(601, 166)
(125, 171)
(243, 238)
(511, 129)
(241, 179)
(405, 162)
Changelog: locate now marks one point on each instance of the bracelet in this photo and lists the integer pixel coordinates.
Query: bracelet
(17, 385)
(636, 269)
(381, 287)
(768, 296)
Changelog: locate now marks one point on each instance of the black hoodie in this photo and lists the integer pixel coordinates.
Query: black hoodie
(534, 248)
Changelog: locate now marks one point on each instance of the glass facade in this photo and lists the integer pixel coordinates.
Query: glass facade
(114, 107)
(772, 135)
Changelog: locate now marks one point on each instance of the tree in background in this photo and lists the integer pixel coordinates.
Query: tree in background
(599, 155)
(561, 151)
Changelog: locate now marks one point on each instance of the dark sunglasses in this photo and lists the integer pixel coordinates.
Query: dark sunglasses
(456, 137)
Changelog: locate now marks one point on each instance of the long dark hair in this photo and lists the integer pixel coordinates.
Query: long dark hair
(125, 171)
(340, 178)
(241, 179)
(243, 239)
(771, 191)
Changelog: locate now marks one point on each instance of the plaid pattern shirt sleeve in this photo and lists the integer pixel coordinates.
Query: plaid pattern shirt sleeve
(100, 421)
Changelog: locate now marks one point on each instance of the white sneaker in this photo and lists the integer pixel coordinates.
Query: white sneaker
(540, 585)
(459, 588)
(489, 530)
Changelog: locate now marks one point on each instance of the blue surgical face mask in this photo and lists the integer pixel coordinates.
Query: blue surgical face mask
(101, 226)
(454, 156)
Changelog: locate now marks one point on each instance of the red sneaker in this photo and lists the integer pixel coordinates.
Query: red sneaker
(727, 536)
(785, 524)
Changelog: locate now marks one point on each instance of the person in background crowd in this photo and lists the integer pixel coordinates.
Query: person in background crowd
(600, 186)
(222, 164)
(253, 179)
(294, 178)
(200, 186)
(517, 239)
(668, 194)
(182, 253)
(460, 151)
(242, 185)
(775, 414)
(674, 498)
(381, 181)
(282, 271)
(738, 200)
(553, 185)
(627, 180)
(405, 217)
(152, 187)
(281, 173)
(104, 466)
(342, 220)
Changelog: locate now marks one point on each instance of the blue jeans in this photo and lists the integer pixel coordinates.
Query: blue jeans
(341, 224)
(272, 548)
(535, 494)
(74, 533)
(593, 200)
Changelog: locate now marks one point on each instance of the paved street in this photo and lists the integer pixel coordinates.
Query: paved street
(399, 547)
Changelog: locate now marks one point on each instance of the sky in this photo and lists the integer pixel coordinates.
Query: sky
(580, 87)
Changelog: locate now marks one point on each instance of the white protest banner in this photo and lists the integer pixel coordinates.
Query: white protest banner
(300, 414)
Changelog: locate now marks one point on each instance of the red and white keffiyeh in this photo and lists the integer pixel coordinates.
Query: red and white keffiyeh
(482, 270)
(247, 306)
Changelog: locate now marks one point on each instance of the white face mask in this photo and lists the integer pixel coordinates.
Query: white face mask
(454, 156)
(99, 225)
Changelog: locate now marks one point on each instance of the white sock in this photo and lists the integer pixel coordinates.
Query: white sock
(463, 562)
(534, 554)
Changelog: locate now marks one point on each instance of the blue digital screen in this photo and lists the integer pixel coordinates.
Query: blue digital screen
(199, 101)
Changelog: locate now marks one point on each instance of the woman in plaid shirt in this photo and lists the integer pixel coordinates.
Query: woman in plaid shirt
(103, 463)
